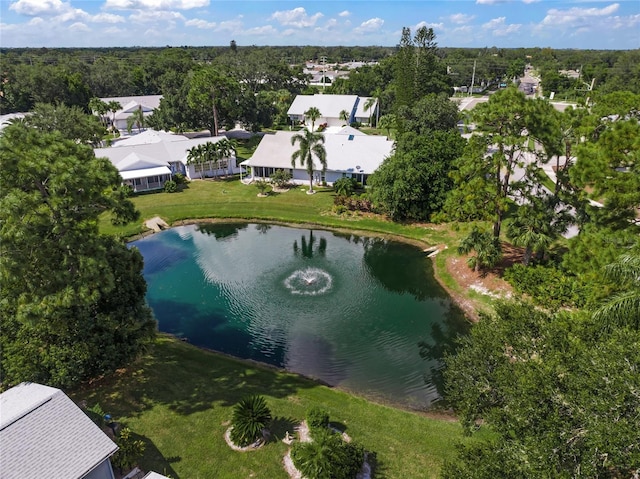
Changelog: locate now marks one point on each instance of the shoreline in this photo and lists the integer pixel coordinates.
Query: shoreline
(465, 306)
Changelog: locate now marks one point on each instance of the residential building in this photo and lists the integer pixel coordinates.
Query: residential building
(43, 434)
(148, 160)
(350, 153)
(129, 104)
(331, 108)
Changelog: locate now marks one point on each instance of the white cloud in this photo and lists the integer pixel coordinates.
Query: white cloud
(34, 22)
(155, 4)
(344, 13)
(79, 27)
(577, 16)
(297, 17)
(530, 1)
(155, 16)
(490, 2)
(265, 30)
(107, 18)
(39, 7)
(435, 26)
(229, 26)
(370, 26)
(461, 18)
(71, 14)
(499, 28)
(198, 23)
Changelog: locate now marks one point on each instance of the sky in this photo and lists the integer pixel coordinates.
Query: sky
(583, 24)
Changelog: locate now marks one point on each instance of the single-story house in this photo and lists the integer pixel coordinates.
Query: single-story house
(44, 434)
(350, 153)
(129, 104)
(331, 107)
(148, 160)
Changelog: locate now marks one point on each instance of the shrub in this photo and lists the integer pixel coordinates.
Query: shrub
(327, 457)
(317, 418)
(170, 186)
(262, 186)
(130, 450)
(250, 416)
(280, 178)
(96, 414)
(354, 203)
(547, 286)
(345, 186)
(179, 178)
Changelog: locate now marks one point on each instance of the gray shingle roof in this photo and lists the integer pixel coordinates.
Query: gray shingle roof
(43, 434)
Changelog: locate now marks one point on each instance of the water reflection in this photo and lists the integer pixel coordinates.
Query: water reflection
(306, 248)
(401, 269)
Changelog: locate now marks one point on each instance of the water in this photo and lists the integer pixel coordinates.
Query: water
(353, 312)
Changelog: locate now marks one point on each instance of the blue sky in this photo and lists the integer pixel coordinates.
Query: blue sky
(457, 23)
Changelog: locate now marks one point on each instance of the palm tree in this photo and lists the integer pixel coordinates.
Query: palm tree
(368, 105)
(387, 122)
(250, 417)
(96, 105)
(487, 248)
(623, 308)
(226, 148)
(113, 106)
(313, 114)
(196, 155)
(310, 144)
(137, 118)
(344, 116)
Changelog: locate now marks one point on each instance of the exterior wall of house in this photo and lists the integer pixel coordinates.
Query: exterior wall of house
(147, 184)
(102, 471)
(212, 169)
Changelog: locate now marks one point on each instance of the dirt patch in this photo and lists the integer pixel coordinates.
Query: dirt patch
(489, 282)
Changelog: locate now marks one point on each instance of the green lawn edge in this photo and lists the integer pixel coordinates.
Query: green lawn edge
(178, 399)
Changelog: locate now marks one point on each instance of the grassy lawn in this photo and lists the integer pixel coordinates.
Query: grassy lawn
(179, 399)
(232, 199)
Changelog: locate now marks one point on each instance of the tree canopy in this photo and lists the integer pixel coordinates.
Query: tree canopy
(72, 301)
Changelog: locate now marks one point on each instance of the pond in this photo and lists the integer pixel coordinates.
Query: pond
(361, 313)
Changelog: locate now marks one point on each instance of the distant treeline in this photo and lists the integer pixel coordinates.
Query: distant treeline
(74, 75)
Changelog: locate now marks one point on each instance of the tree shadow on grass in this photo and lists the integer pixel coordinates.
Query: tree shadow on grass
(280, 426)
(189, 379)
(153, 460)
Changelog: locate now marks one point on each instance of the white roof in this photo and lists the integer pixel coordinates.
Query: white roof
(150, 101)
(345, 152)
(169, 149)
(148, 136)
(144, 172)
(44, 434)
(329, 106)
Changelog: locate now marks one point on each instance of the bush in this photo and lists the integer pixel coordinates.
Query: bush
(130, 450)
(345, 186)
(170, 186)
(281, 178)
(262, 186)
(354, 203)
(179, 178)
(327, 457)
(317, 418)
(250, 416)
(547, 286)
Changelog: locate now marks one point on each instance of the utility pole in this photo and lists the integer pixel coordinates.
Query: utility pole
(323, 59)
(473, 77)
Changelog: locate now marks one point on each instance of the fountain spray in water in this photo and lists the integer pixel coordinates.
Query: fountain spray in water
(309, 282)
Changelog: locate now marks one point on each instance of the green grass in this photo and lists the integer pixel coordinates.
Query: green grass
(179, 400)
(231, 199)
